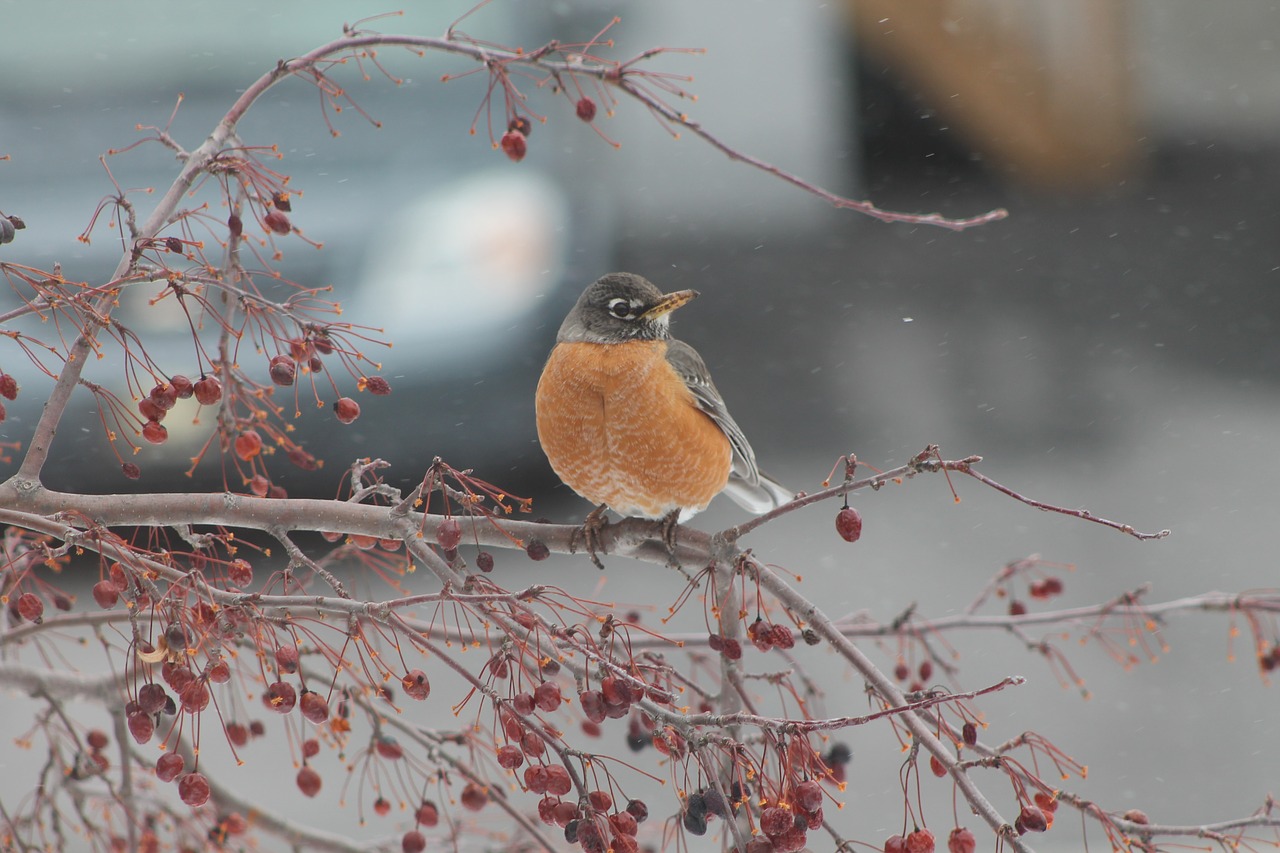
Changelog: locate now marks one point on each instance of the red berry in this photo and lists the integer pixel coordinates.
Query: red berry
(1017, 608)
(558, 781)
(1033, 819)
(474, 797)
(547, 696)
(182, 386)
(155, 432)
(961, 840)
(427, 814)
(510, 757)
(248, 444)
(105, 594)
(208, 390)
(920, 841)
(346, 409)
(240, 573)
(194, 696)
(849, 524)
(638, 810)
(969, 733)
(1046, 802)
(936, 766)
(8, 386)
(97, 739)
(150, 410)
(389, 748)
(537, 550)
(194, 789)
(280, 697)
(283, 369)
(276, 222)
(164, 396)
(169, 766)
(308, 781)
(130, 470)
(1136, 816)
(514, 145)
(381, 807)
(287, 659)
(586, 108)
(151, 698)
(808, 795)
(377, 385)
(314, 707)
(776, 820)
(310, 748)
(623, 823)
(484, 561)
(895, 844)
(416, 685)
(413, 842)
(790, 841)
(449, 534)
(600, 800)
(30, 607)
(235, 226)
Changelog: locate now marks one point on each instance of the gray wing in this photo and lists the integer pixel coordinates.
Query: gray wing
(751, 489)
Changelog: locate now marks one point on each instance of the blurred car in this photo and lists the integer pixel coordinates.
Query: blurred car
(464, 260)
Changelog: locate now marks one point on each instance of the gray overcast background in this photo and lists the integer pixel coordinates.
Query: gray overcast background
(1114, 347)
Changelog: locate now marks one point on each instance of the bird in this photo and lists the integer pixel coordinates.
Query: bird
(629, 418)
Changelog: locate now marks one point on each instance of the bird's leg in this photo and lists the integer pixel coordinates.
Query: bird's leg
(670, 526)
(592, 526)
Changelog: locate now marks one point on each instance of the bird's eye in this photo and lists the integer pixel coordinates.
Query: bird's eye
(621, 308)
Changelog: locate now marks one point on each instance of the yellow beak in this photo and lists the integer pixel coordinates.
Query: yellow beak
(669, 303)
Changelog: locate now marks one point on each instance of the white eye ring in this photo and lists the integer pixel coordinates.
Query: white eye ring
(621, 308)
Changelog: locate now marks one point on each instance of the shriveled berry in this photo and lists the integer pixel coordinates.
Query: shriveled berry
(194, 790)
(1033, 819)
(346, 409)
(521, 124)
(593, 705)
(969, 734)
(849, 524)
(310, 748)
(413, 842)
(309, 781)
(514, 145)
(287, 659)
(129, 469)
(8, 386)
(585, 108)
(208, 390)
(1136, 816)
(537, 550)
(168, 766)
(416, 685)
(694, 823)
(484, 561)
(30, 607)
(449, 534)
(961, 840)
(377, 385)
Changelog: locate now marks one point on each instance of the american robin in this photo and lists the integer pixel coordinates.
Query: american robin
(628, 415)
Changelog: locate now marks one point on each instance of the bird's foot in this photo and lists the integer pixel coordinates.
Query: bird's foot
(589, 534)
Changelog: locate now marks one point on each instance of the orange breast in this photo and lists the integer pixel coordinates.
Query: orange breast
(620, 428)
